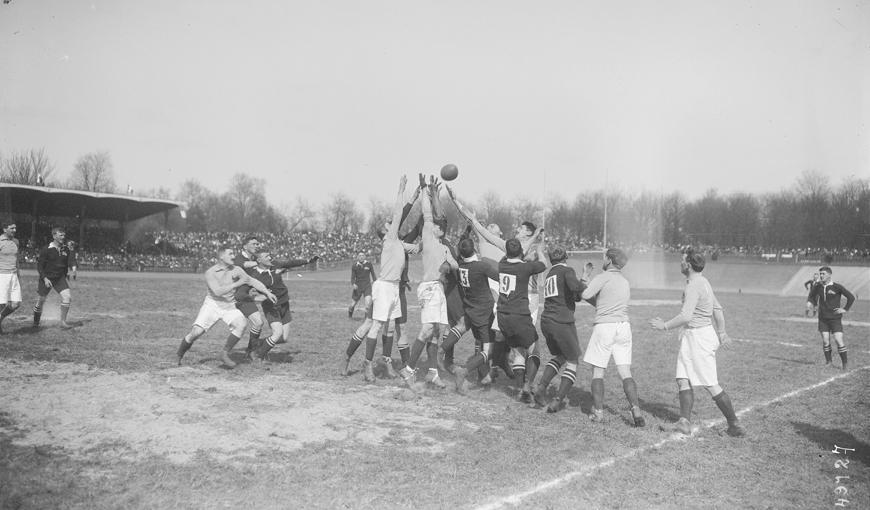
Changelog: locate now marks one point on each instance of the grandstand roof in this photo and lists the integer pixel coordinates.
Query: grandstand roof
(43, 201)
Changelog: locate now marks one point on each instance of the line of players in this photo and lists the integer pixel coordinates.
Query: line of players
(492, 290)
(56, 264)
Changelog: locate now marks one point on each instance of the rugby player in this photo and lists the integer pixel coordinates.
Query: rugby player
(514, 315)
(609, 292)
(222, 280)
(430, 293)
(247, 260)
(562, 290)
(10, 278)
(828, 295)
(812, 305)
(474, 277)
(702, 333)
(362, 274)
(53, 267)
(278, 315)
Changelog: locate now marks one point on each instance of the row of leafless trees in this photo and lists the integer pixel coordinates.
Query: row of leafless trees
(91, 172)
(811, 212)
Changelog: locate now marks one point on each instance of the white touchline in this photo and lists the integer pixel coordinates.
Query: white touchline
(763, 342)
(516, 499)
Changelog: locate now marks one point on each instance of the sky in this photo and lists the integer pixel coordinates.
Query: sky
(528, 99)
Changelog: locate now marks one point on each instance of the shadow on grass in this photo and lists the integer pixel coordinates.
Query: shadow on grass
(664, 412)
(798, 361)
(828, 438)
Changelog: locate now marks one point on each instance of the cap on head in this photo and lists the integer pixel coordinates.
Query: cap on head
(513, 248)
(617, 257)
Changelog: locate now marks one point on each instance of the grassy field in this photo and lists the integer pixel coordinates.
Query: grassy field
(101, 416)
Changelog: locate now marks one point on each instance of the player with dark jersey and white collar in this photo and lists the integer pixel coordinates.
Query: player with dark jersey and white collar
(514, 317)
(562, 290)
(474, 278)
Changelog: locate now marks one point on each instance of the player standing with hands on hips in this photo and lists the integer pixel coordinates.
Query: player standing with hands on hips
(699, 341)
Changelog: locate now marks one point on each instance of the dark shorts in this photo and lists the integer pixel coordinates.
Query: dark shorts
(834, 325)
(277, 313)
(518, 330)
(561, 339)
(359, 293)
(58, 284)
(483, 333)
(248, 307)
(403, 304)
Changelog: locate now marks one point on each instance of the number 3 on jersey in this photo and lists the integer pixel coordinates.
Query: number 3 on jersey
(463, 278)
(507, 283)
(551, 287)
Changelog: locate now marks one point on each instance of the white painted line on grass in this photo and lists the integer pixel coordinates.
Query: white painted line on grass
(516, 499)
(787, 344)
(814, 320)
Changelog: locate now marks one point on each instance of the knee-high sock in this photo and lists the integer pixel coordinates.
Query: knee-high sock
(687, 401)
(533, 362)
(387, 345)
(371, 345)
(842, 352)
(449, 343)
(253, 337)
(550, 371)
(353, 345)
(432, 355)
(598, 393)
(569, 375)
(64, 311)
(724, 403)
(630, 389)
(231, 342)
(416, 351)
(7, 310)
(826, 349)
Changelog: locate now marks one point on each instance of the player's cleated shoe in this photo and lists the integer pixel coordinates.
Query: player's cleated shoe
(345, 367)
(486, 380)
(350, 313)
(390, 371)
(597, 415)
(225, 358)
(368, 371)
(66, 325)
(556, 405)
(735, 430)
(539, 400)
(685, 427)
(408, 376)
(459, 374)
(637, 418)
(434, 379)
(525, 396)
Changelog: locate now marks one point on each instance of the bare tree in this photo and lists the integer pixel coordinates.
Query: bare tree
(300, 215)
(26, 167)
(341, 215)
(380, 212)
(93, 172)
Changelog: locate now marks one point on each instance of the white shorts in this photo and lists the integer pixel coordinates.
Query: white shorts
(697, 359)
(385, 301)
(433, 303)
(213, 311)
(609, 339)
(534, 303)
(10, 288)
(493, 286)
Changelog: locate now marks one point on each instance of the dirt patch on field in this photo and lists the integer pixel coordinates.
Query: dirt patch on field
(179, 411)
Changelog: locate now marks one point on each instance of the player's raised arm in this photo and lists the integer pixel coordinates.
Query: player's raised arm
(393, 231)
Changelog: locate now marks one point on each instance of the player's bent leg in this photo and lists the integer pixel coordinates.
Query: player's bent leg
(687, 402)
(371, 345)
(723, 402)
(550, 370)
(629, 386)
(187, 341)
(569, 376)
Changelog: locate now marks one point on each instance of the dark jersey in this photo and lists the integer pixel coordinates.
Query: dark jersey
(274, 282)
(561, 290)
(53, 261)
(474, 289)
(242, 292)
(362, 274)
(829, 297)
(513, 285)
(450, 282)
